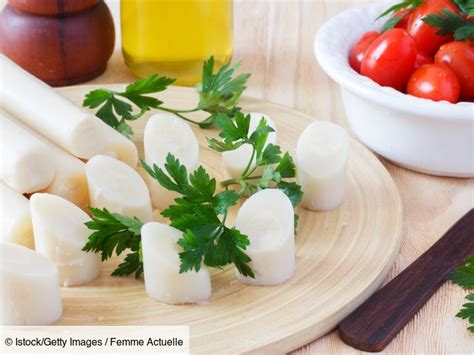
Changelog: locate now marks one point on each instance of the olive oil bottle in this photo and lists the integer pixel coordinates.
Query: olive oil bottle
(174, 37)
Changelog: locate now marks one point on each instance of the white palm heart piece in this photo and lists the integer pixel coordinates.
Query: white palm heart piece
(197, 208)
(199, 234)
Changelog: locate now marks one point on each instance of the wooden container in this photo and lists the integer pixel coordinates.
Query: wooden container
(62, 42)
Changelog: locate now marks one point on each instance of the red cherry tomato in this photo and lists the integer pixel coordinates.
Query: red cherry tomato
(358, 51)
(403, 23)
(422, 59)
(424, 35)
(390, 59)
(435, 82)
(459, 56)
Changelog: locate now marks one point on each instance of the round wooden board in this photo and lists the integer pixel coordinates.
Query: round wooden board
(342, 257)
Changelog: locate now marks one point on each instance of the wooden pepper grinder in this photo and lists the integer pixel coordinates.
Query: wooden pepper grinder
(62, 42)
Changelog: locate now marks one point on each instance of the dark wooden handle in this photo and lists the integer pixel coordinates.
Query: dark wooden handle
(377, 321)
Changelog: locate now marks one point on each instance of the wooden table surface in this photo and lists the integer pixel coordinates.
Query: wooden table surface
(274, 40)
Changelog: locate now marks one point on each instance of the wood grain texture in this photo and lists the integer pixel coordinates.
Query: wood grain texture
(430, 204)
(379, 319)
(342, 256)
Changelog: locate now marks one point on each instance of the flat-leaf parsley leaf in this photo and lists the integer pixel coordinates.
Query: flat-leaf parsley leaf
(464, 277)
(115, 233)
(218, 94)
(200, 213)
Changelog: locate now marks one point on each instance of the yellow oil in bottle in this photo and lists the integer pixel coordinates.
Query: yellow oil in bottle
(174, 37)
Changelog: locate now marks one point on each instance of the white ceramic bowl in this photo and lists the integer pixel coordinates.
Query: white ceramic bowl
(423, 135)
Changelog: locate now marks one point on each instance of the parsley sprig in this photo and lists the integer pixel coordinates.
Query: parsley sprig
(218, 94)
(116, 112)
(201, 210)
(201, 214)
(393, 21)
(276, 166)
(450, 23)
(114, 233)
(464, 277)
(407, 4)
(465, 6)
(446, 21)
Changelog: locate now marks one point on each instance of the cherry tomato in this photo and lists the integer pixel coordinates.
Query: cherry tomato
(459, 56)
(435, 82)
(403, 23)
(424, 35)
(358, 51)
(422, 59)
(390, 59)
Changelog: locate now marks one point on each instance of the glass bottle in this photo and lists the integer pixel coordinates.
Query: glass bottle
(174, 37)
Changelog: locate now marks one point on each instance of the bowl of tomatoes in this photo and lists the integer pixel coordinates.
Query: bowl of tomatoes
(406, 74)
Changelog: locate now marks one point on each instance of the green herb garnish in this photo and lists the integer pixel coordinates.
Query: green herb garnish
(447, 21)
(450, 23)
(392, 22)
(201, 210)
(464, 277)
(465, 6)
(201, 213)
(268, 158)
(218, 94)
(408, 4)
(116, 112)
(114, 233)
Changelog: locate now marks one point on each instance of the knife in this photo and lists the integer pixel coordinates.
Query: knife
(378, 320)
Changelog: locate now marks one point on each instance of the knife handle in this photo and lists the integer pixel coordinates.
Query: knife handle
(379, 319)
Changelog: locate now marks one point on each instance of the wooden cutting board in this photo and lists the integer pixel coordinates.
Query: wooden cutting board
(342, 257)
